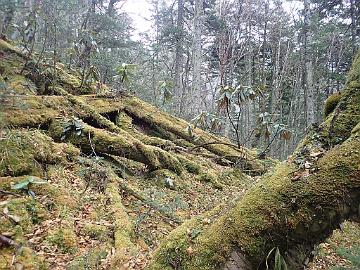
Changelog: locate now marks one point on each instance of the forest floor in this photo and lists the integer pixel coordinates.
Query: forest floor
(340, 251)
(120, 177)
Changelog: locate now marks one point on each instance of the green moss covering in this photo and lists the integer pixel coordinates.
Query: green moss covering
(17, 208)
(123, 228)
(25, 151)
(123, 120)
(118, 144)
(97, 231)
(91, 259)
(337, 127)
(211, 178)
(189, 165)
(139, 109)
(26, 258)
(135, 140)
(353, 76)
(331, 103)
(64, 239)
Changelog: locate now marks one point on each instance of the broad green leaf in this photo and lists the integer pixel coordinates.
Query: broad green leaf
(22, 185)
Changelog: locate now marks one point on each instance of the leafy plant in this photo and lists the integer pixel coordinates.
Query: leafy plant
(351, 254)
(165, 88)
(279, 263)
(190, 131)
(26, 185)
(124, 72)
(225, 97)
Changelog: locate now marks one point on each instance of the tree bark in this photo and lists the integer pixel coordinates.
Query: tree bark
(179, 59)
(309, 94)
(197, 52)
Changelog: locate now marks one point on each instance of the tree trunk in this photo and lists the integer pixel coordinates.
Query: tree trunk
(197, 52)
(309, 94)
(6, 21)
(179, 59)
(292, 208)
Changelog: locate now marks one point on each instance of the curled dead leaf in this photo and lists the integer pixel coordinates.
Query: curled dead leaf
(190, 251)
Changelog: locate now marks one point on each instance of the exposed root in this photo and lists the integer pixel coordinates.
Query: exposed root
(122, 144)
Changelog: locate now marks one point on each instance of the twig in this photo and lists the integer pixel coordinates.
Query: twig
(7, 241)
(210, 143)
(9, 193)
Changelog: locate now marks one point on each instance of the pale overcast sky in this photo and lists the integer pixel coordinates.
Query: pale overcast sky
(140, 12)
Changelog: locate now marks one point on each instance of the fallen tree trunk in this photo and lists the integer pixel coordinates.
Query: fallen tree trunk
(292, 208)
(276, 213)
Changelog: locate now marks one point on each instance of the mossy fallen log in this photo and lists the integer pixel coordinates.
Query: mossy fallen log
(277, 212)
(123, 230)
(292, 208)
(179, 128)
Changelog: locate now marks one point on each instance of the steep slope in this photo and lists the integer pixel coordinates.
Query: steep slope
(109, 175)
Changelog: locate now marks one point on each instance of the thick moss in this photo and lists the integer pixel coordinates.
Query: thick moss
(117, 144)
(123, 120)
(24, 152)
(354, 73)
(139, 109)
(337, 127)
(123, 228)
(277, 206)
(20, 85)
(331, 103)
(28, 212)
(64, 239)
(25, 258)
(96, 231)
(91, 259)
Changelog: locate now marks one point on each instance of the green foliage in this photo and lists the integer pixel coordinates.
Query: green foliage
(279, 261)
(26, 185)
(124, 72)
(190, 132)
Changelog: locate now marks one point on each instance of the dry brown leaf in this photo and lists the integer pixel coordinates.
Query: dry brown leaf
(15, 218)
(190, 251)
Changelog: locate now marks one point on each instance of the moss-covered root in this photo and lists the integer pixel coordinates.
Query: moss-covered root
(101, 120)
(305, 211)
(170, 126)
(102, 141)
(331, 103)
(123, 227)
